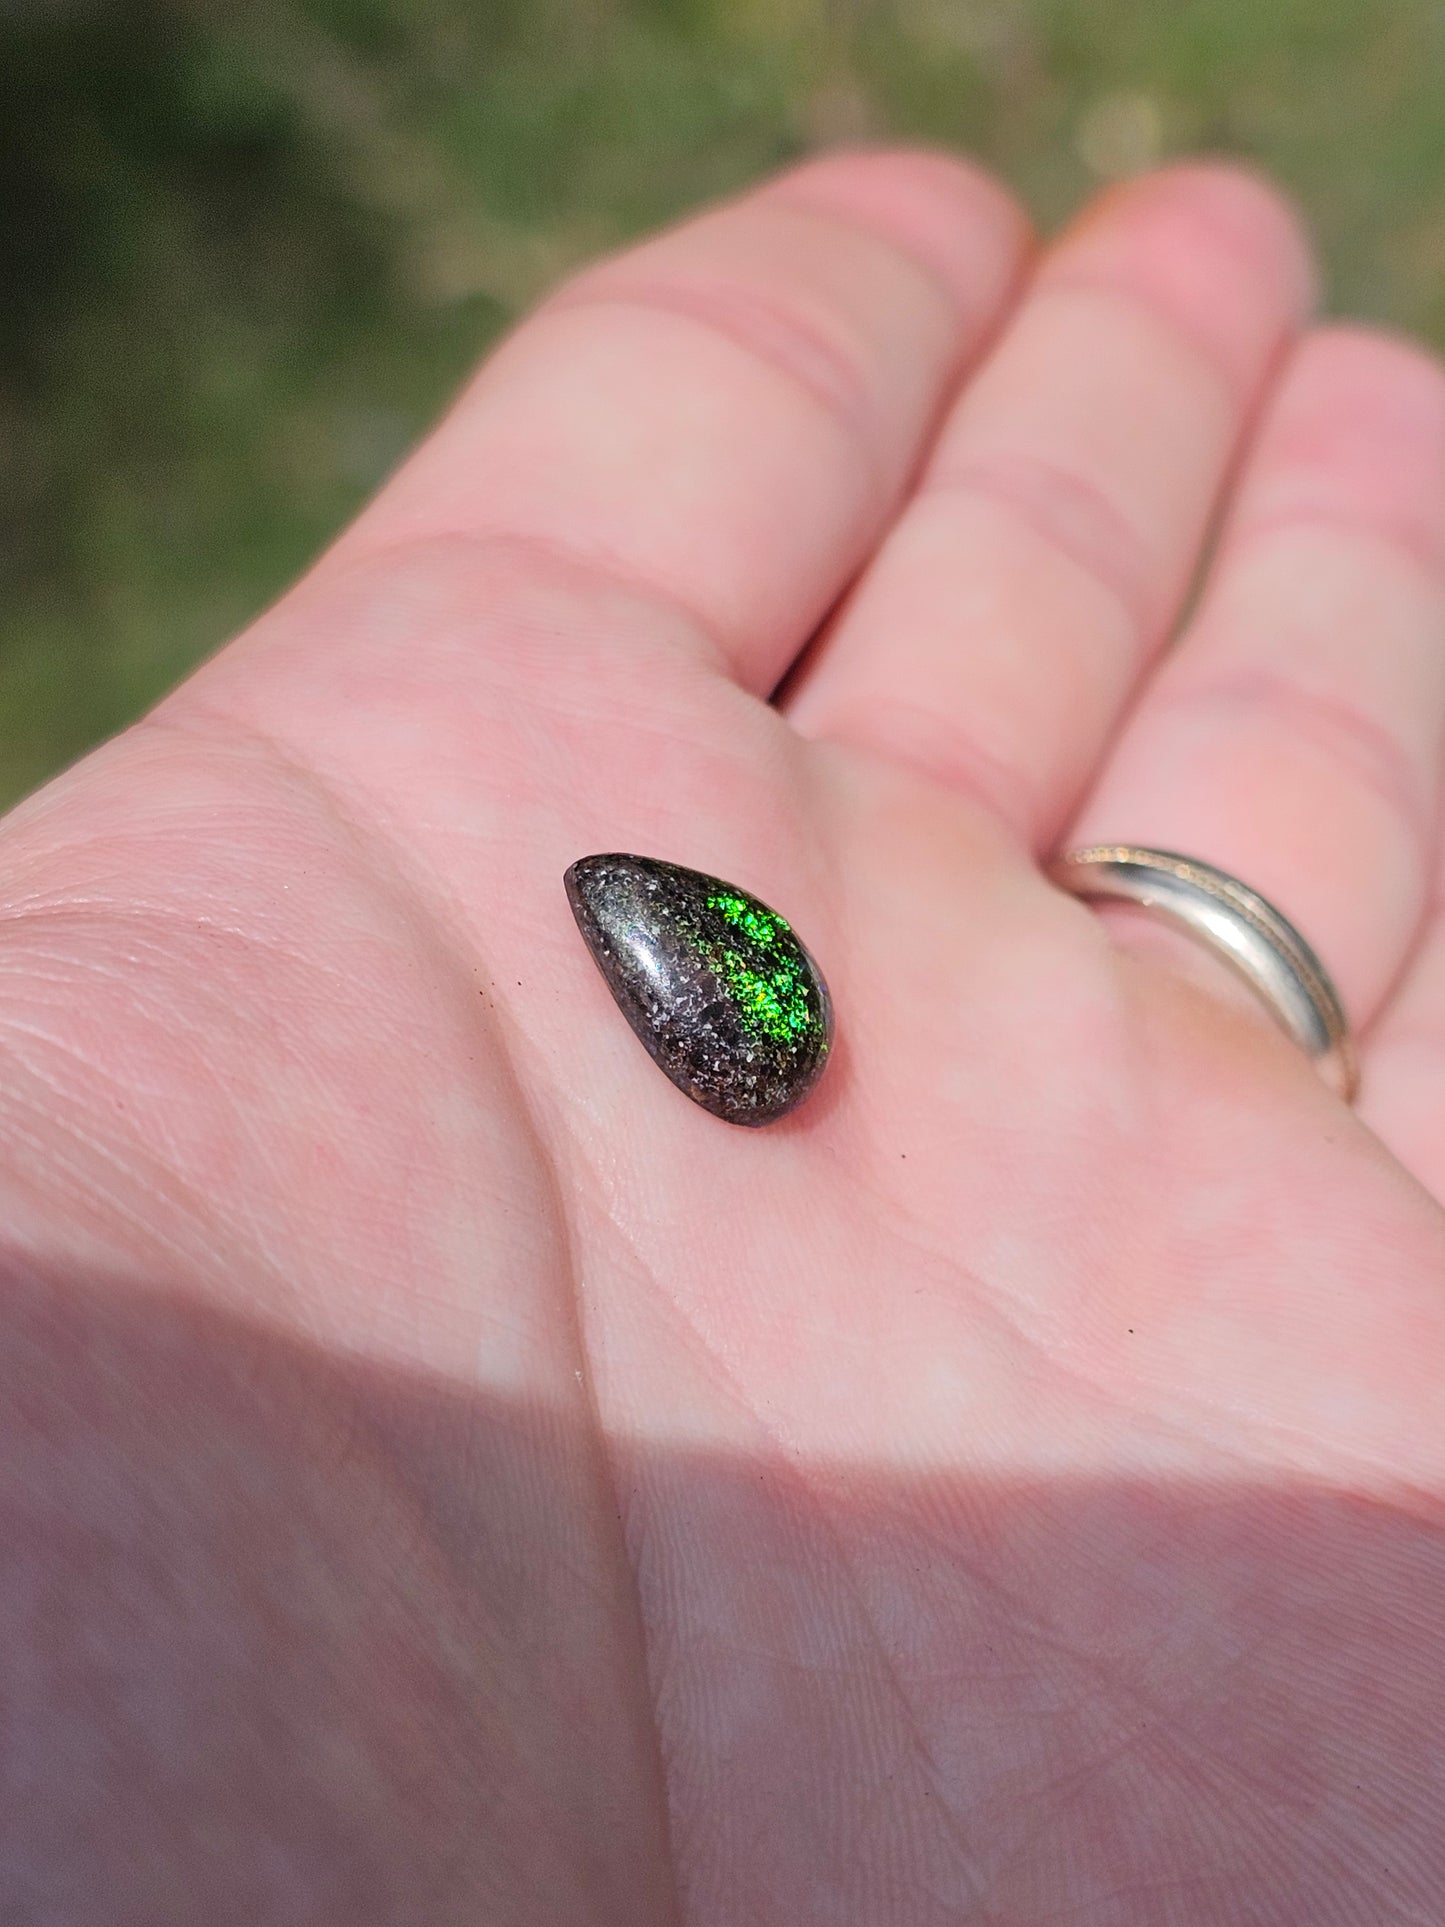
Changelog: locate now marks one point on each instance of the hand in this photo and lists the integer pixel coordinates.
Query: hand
(455, 1479)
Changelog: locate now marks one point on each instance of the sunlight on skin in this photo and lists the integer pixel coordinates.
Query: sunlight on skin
(1011, 1485)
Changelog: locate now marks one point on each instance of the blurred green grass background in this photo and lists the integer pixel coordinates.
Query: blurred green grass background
(250, 250)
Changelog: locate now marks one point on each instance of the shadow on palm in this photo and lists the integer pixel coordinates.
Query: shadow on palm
(343, 1642)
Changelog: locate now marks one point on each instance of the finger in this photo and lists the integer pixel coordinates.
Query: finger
(1402, 1096)
(1296, 736)
(724, 416)
(1010, 611)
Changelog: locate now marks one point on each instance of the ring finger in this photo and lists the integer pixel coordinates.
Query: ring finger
(1296, 735)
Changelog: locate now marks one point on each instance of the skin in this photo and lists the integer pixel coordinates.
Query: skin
(449, 1476)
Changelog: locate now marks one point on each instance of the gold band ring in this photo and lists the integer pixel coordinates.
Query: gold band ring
(1239, 925)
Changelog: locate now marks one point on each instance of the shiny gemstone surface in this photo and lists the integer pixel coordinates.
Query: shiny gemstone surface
(714, 982)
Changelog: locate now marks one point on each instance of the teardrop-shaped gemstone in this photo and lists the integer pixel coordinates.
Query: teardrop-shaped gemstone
(715, 983)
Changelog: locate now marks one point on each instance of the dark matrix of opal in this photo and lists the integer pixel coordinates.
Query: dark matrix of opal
(715, 983)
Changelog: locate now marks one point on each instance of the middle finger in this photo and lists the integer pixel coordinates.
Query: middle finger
(1003, 623)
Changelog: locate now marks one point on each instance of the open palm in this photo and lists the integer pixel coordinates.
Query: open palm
(455, 1479)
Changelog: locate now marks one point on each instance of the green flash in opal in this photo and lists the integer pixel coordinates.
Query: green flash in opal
(717, 985)
(776, 997)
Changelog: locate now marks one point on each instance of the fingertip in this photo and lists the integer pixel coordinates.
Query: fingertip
(951, 217)
(1217, 250)
(1375, 372)
(1355, 434)
(1234, 215)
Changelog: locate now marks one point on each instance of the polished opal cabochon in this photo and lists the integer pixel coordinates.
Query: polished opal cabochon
(716, 984)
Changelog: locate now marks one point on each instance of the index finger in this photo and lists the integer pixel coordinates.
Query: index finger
(725, 416)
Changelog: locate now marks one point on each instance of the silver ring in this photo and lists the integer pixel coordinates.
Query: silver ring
(1240, 926)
